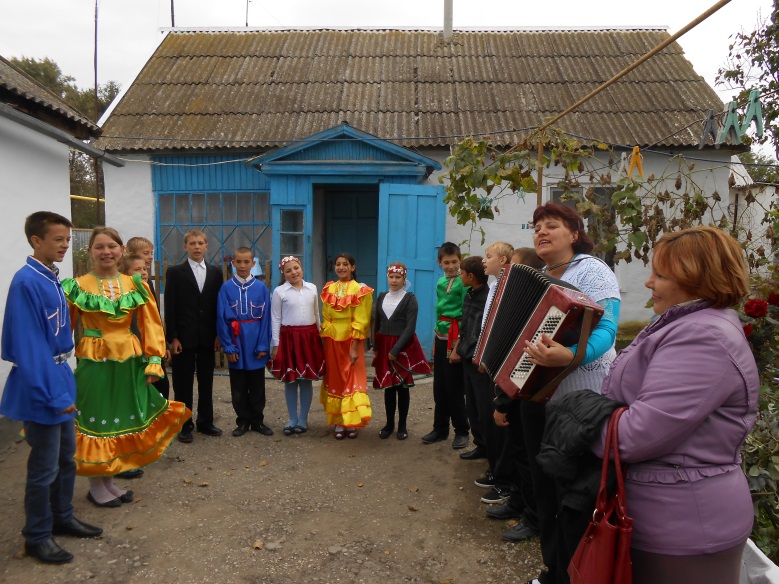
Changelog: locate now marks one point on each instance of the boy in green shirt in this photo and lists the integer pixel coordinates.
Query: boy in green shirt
(448, 389)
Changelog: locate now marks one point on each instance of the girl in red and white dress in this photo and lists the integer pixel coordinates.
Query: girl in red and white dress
(396, 349)
(296, 348)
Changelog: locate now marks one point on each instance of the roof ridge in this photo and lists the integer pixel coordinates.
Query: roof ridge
(433, 29)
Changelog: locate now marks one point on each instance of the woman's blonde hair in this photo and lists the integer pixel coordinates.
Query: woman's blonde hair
(705, 262)
(109, 231)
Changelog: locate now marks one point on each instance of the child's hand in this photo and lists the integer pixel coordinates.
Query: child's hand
(261, 354)
(151, 379)
(454, 357)
(175, 347)
(391, 357)
(500, 419)
(167, 355)
(353, 353)
(217, 345)
(273, 352)
(71, 409)
(232, 358)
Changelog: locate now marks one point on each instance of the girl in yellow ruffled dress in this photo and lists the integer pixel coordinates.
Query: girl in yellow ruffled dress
(346, 318)
(123, 422)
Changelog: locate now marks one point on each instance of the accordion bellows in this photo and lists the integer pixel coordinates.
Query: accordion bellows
(527, 304)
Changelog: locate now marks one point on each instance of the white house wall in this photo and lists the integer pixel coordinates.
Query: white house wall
(34, 169)
(129, 205)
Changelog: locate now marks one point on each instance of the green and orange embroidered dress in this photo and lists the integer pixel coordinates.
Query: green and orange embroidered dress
(122, 422)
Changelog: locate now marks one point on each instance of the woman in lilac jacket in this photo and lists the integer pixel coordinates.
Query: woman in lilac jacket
(692, 385)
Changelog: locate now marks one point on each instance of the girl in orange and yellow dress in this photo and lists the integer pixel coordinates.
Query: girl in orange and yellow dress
(346, 319)
(123, 422)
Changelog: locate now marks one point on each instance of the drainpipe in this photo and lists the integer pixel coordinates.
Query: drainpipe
(448, 20)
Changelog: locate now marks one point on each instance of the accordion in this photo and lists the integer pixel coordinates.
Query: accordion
(527, 304)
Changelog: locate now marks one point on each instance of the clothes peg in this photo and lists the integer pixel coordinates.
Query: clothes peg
(732, 128)
(754, 112)
(710, 128)
(623, 165)
(635, 162)
(521, 195)
(485, 202)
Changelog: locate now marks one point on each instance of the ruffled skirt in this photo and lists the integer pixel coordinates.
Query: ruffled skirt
(344, 386)
(399, 372)
(122, 422)
(300, 354)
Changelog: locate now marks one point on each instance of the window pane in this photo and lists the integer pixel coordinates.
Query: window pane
(292, 220)
(245, 214)
(166, 208)
(291, 244)
(262, 207)
(213, 206)
(199, 208)
(182, 209)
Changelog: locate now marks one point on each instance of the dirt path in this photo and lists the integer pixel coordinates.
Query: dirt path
(283, 510)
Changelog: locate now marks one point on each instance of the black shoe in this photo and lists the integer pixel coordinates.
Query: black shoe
(460, 442)
(433, 437)
(402, 434)
(130, 474)
(76, 528)
(520, 532)
(300, 429)
(263, 429)
(112, 503)
(485, 482)
(185, 436)
(474, 454)
(289, 430)
(240, 431)
(505, 511)
(210, 430)
(48, 552)
(496, 496)
(385, 432)
(127, 497)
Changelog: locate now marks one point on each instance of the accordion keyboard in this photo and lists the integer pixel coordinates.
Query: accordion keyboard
(549, 326)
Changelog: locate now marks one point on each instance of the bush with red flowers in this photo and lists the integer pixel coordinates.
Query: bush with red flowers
(756, 308)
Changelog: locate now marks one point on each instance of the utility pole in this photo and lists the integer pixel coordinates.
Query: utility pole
(95, 161)
(172, 15)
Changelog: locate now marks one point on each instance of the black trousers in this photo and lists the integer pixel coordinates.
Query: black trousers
(492, 437)
(163, 384)
(247, 389)
(448, 393)
(522, 496)
(561, 527)
(185, 364)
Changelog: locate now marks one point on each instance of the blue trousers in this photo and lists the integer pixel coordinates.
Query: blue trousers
(51, 477)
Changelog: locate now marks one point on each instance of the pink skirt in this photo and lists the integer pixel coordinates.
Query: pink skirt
(299, 355)
(399, 372)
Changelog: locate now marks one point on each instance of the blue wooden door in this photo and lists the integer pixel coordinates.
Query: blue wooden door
(351, 225)
(412, 227)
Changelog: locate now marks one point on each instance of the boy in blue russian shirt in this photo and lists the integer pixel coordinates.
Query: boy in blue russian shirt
(243, 326)
(41, 390)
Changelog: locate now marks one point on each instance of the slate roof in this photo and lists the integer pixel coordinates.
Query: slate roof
(206, 90)
(27, 95)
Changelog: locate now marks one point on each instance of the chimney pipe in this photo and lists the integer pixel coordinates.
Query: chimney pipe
(448, 20)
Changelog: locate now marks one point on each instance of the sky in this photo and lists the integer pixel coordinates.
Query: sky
(130, 30)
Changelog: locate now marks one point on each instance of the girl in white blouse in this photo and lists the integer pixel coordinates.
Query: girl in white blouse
(296, 348)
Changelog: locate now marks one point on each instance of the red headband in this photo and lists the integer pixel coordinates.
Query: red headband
(287, 259)
(396, 270)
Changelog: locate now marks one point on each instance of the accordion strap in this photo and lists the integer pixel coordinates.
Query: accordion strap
(545, 393)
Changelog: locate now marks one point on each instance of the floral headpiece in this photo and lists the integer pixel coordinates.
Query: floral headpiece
(285, 260)
(396, 270)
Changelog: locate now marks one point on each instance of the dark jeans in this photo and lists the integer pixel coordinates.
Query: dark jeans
(561, 527)
(448, 393)
(51, 476)
(247, 389)
(184, 366)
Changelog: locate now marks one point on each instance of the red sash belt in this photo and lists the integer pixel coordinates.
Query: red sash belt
(454, 331)
(236, 324)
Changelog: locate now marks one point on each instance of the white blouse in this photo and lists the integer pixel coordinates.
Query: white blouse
(293, 307)
(391, 301)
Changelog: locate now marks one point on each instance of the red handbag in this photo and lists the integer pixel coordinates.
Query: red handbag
(603, 554)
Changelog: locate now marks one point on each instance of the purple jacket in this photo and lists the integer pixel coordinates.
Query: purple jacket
(692, 385)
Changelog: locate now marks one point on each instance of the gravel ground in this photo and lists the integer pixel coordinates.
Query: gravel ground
(279, 509)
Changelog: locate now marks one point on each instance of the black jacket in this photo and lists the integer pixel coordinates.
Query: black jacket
(190, 315)
(573, 423)
(402, 324)
(470, 325)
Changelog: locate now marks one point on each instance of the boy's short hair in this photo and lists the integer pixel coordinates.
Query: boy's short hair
(449, 248)
(474, 266)
(244, 249)
(134, 243)
(128, 259)
(38, 223)
(502, 249)
(195, 233)
(527, 256)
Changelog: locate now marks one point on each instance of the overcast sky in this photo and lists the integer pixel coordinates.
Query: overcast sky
(129, 30)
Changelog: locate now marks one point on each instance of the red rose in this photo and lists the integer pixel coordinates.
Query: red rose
(773, 299)
(747, 329)
(756, 308)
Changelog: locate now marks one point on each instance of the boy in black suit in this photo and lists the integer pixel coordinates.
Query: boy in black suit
(191, 291)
